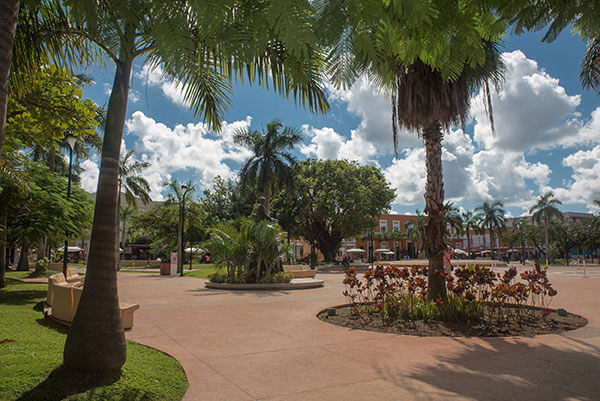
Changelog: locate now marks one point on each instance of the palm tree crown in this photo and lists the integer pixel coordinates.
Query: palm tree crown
(131, 181)
(492, 217)
(590, 66)
(544, 211)
(270, 162)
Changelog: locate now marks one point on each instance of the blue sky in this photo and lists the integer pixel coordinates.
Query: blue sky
(547, 133)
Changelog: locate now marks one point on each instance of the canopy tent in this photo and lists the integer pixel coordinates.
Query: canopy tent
(383, 250)
(389, 253)
(355, 250)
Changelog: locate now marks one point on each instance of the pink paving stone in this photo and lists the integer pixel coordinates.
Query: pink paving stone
(270, 346)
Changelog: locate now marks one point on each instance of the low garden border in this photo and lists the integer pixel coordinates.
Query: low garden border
(298, 285)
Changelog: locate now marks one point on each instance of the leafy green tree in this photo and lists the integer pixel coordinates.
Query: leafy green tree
(432, 57)
(204, 47)
(43, 211)
(491, 215)
(345, 196)
(566, 237)
(226, 201)
(543, 212)
(33, 36)
(270, 164)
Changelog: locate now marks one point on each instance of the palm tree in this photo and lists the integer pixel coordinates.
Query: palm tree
(204, 53)
(126, 213)
(9, 12)
(453, 218)
(471, 221)
(492, 216)
(132, 182)
(270, 164)
(545, 210)
(590, 66)
(430, 91)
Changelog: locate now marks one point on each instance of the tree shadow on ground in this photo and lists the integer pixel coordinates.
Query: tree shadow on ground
(51, 324)
(20, 297)
(64, 382)
(505, 369)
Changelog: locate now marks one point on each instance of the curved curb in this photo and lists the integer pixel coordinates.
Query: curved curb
(346, 305)
(265, 287)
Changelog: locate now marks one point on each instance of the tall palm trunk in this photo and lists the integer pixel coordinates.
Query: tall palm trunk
(468, 242)
(267, 196)
(433, 230)
(96, 340)
(491, 242)
(23, 264)
(546, 234)
(9, 13)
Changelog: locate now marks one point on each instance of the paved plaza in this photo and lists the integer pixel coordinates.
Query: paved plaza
(268, 345)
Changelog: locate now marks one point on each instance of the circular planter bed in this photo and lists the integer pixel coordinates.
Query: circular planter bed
(533, 321)
(295, 284)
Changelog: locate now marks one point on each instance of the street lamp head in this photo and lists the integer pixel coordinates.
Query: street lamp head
(71, 140)
(311, 190)
(184, 187)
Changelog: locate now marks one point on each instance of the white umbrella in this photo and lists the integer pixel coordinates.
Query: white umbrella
(460, 251)
(382, 250)
(194, 250)
(70, 249)
(355, 250)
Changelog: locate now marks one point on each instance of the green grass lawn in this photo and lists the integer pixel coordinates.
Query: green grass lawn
(31, 362)
(201, 271)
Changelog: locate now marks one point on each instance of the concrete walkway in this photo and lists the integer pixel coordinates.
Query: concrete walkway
(269, 345)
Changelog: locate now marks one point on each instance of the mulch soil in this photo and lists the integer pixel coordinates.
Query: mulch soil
(533, 321)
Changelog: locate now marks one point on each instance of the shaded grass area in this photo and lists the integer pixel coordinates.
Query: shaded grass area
(31, 360)
(155, 266)
(30, 274)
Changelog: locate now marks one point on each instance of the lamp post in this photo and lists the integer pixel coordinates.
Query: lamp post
(71, 142)
(185, 189)
(191, 245)
(311, 192)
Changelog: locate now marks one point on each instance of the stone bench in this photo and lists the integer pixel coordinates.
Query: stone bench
(63, 300)
(299, 271)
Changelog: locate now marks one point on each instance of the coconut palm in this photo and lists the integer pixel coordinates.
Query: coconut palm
(492, 217)
(544, 211)
(471, 221)
(409, 54)
(270, 164)
(203, 51)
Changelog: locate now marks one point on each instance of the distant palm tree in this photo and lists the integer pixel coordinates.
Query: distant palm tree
(453, 218)
(471, 221)
(492, 217)
(126, 214)
(544, 210)
(270, 163)
(131, 181)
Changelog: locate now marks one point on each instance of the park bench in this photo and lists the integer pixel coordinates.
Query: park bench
(299, 271)
(63, 300)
